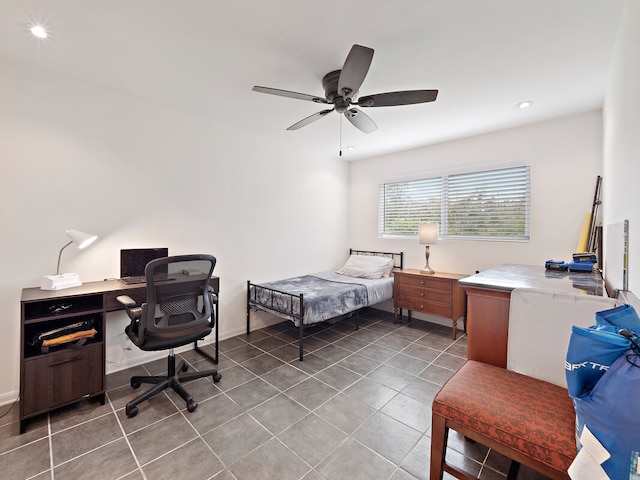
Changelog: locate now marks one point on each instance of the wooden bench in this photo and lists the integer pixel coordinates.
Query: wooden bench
(528, 420)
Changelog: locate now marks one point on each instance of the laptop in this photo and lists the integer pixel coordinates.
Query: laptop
(134, 260)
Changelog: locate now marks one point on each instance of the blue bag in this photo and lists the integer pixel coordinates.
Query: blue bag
(590, 354)
(609, 412)
(622, 316)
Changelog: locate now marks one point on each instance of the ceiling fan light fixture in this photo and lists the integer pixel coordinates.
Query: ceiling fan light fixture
(525, 104)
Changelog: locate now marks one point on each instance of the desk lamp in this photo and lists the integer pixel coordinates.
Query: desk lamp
(67, 280)
(428, 235)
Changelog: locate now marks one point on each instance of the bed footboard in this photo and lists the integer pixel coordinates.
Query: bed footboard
(278, 302)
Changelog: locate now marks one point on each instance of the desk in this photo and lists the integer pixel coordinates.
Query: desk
(489, 301)
(67, 375)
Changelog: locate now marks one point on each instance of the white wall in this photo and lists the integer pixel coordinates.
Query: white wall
(621, 179)
(139, 175)
(565, 155)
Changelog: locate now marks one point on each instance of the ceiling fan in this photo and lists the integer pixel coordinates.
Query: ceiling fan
(341, 90)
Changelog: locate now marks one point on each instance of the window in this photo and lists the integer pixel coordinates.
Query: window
(493, 205)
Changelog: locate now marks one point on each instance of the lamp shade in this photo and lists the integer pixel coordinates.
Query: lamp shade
(82, 239)
(428, 234)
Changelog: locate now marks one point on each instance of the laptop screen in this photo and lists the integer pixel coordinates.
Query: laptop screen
(134, 260)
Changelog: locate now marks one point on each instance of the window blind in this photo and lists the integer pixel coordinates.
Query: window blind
(492, 204)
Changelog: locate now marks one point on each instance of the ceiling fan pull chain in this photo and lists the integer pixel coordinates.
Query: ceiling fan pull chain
(340, 134)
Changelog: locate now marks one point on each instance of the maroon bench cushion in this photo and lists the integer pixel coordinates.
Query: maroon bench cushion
(523, 413)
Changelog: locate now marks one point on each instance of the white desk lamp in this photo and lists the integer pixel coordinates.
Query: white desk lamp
(428, 235)
(67, 280)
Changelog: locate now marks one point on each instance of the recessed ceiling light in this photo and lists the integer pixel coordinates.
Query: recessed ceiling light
(351, 147)
(526, 104)
(39, 32)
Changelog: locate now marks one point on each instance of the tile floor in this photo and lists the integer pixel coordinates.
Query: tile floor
(357, 407)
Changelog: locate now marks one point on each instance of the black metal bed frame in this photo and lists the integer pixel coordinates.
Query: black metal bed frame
(282, 303)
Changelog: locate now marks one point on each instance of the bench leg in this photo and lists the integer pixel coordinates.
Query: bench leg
(514, 469)
(439, 436)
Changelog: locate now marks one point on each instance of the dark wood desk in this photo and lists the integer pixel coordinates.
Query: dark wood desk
(66, 375)
(489, 302)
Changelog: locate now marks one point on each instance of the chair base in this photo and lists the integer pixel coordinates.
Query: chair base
(174, 379)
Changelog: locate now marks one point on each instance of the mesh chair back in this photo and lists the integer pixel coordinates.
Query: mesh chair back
(179, 306)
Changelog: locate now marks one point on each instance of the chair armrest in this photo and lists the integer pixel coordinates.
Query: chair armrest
(126, 300)
(212, 296)
(133, 310)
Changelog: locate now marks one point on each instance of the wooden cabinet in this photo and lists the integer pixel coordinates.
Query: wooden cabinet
(435, 294)
(57, 375)
(488, 325)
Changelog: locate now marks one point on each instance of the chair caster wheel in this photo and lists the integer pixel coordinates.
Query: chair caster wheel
(191, 406)
(185, 367)
(131, 412)
(216, 377)
(135, 384)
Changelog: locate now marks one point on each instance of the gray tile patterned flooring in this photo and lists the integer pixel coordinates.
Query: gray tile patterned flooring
(357, 407)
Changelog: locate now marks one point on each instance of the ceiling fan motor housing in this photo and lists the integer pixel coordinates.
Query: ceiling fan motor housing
(330, 85)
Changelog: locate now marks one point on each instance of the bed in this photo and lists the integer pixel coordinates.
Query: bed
(365, 280)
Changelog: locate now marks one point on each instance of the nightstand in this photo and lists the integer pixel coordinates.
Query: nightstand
(435, 294)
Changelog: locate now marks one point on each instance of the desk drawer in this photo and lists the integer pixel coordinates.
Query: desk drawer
(56, 379)
(111, 304)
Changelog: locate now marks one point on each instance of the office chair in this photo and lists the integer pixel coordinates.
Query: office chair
(178, 311)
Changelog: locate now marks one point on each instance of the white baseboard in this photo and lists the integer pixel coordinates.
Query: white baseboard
(8, 397)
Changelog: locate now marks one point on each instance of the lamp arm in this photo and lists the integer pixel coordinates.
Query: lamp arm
(60, 255)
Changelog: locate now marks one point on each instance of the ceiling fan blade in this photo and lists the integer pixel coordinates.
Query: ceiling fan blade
(354, 70)
(391, 99)
(287, 93)
(360, 120)
(310, 119)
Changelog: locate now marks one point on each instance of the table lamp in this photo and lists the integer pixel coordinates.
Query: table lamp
(428, 235)
(67, 280)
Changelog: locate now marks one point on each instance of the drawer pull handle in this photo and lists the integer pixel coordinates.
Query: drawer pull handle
(422, 294)
(422, 282)
(67, 360)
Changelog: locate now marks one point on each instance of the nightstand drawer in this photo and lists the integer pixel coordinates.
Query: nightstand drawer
(406, 282)
(441, 310)
(423, 294)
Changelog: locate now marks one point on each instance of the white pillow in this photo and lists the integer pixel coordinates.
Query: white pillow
(390, 267)
(367, 266)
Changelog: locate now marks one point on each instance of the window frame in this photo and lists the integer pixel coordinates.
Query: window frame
(521, 173)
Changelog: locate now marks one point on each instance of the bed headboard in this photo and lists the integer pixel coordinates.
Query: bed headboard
(398, 258)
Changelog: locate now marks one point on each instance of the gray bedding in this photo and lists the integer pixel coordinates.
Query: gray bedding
(326, 295)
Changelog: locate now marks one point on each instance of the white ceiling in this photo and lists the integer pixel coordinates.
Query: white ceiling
(204, 56)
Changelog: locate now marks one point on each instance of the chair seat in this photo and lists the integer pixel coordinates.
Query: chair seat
(163, 341)
(527, 415)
